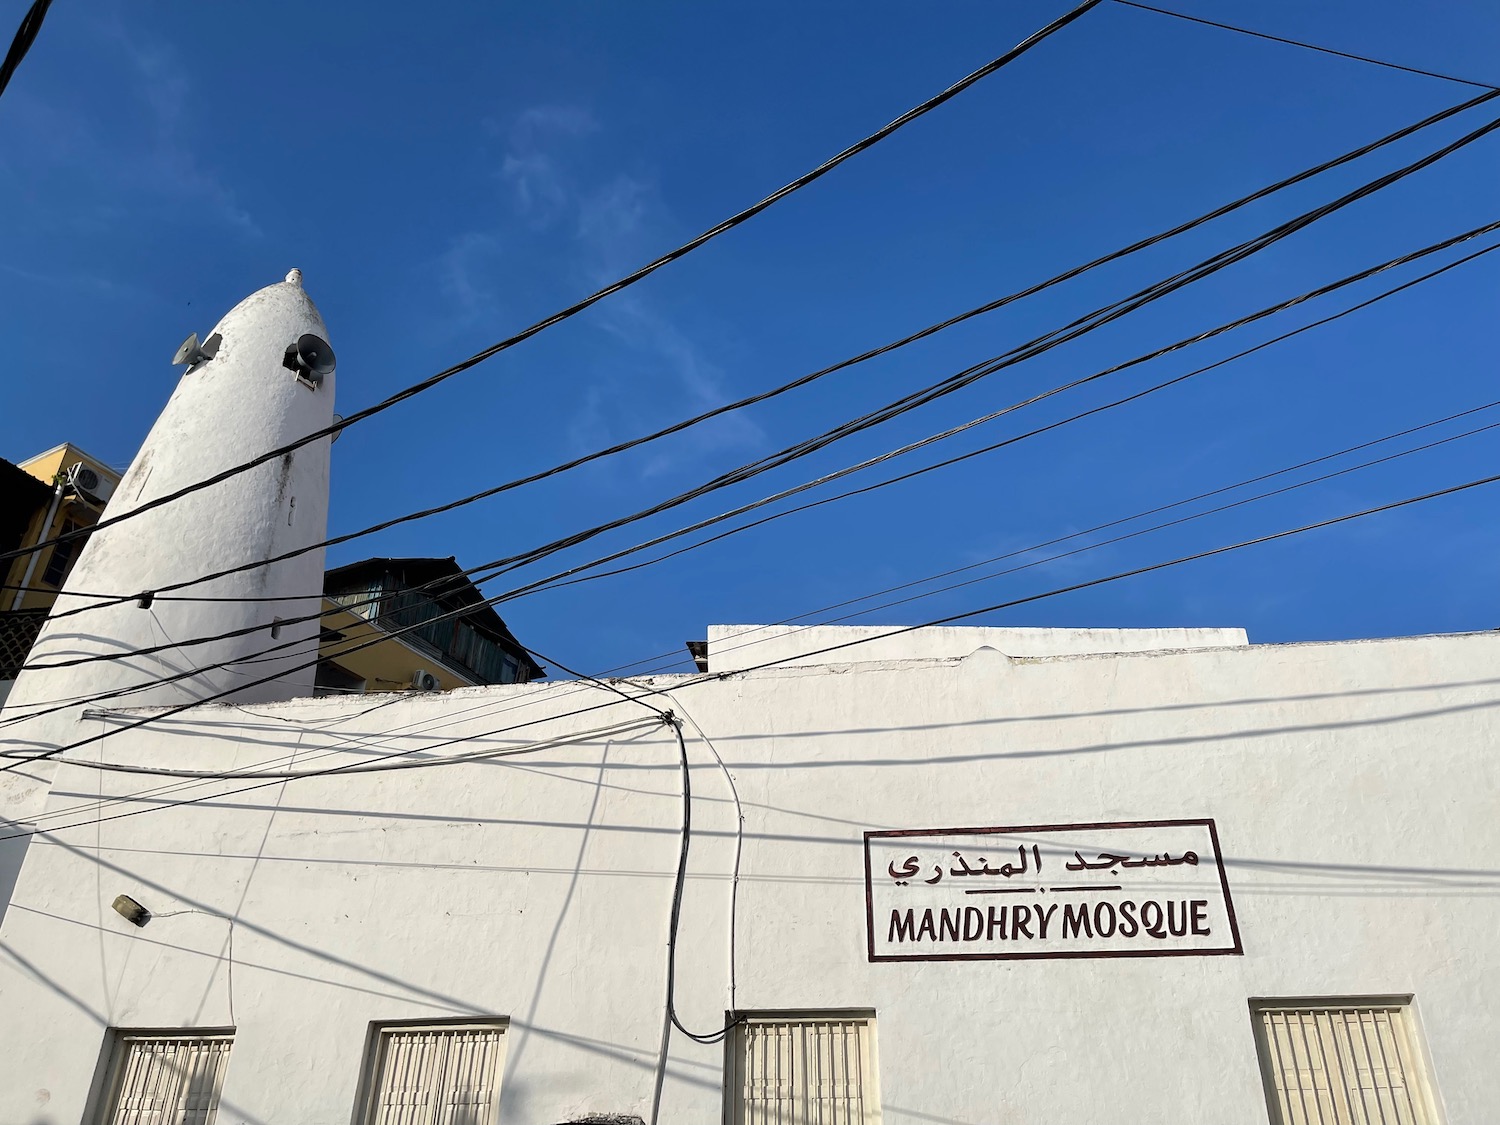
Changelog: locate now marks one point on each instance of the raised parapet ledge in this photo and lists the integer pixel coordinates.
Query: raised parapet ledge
(735, 648)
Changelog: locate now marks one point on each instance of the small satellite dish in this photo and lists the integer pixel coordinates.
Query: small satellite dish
(193, 353)
(337, 420)
(310, 357)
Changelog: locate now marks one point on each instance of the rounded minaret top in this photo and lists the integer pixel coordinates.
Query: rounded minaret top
(263, 388)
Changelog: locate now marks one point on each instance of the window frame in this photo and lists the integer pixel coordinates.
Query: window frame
(1419, 1083)
(103, 1103)
(63, 555)
(378, 1036)
(734, 1052)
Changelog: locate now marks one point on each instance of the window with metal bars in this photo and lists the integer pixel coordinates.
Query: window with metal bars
(1343, 1062)
(166, 1077)
(804, 1069)
(435, 1074)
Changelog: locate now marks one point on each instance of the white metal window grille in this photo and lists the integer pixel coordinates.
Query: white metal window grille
(804, 1071)
(167, 1079)
(1356, 1064)
(447, 1075)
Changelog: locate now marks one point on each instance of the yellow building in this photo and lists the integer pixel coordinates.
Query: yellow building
(73, 489)
(51, 494)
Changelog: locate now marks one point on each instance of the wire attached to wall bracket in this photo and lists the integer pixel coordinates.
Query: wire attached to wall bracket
(671, 720)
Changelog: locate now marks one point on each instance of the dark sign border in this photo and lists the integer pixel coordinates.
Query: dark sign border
(1204, 822)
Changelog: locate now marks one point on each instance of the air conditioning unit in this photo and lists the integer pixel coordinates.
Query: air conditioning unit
(423, 680)
(89, 484)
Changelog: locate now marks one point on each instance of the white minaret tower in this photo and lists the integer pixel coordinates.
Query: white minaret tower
(261, 380)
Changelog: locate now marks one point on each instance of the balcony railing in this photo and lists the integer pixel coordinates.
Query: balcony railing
(427, 622)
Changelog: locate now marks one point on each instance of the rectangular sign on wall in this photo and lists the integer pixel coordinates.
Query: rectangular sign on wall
(1149, 888)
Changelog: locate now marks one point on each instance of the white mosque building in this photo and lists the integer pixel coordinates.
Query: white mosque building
(963, 876)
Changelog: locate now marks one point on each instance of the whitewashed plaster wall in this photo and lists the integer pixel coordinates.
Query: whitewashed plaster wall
(1352, 784)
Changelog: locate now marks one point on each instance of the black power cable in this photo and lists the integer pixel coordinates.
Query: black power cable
(623, 283)
(707, 677)
(1153, 567)
(31, 24)
(357, 766)
(1478, 99)
(1036, 347)
(187, 706)
(504, 566)
(1180, 520)
(163, 592)
(536, 585)
(1078, 327)
(673, 658)
(973, 374)
(489, 571)
(1306, 46)
(991, 448)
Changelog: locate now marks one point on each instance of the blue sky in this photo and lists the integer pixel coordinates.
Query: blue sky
(446, 175)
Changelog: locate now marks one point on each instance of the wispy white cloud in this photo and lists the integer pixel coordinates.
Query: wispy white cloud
(585, 227)
(543, 192)
(170, 162)
(539, 125)
(541, 195)
(151, 161)
(466, 272)
(612, 216)
(677, 379)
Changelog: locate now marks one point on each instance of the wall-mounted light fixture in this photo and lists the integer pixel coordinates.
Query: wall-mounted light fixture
(132, 911)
